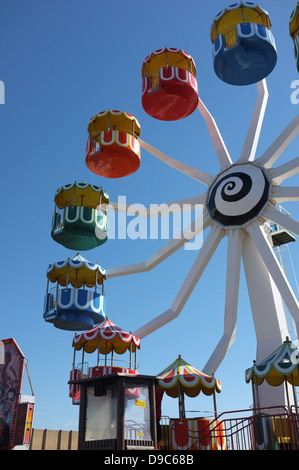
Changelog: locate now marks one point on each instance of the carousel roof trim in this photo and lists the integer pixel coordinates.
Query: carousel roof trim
(91, 193)
(236, 5)
(171, 50)
(261, 12)
(191, 379)
(108, 337)
(282, 364)
(114, 118)
(77, 265)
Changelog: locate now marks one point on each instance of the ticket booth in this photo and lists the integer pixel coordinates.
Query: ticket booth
(117, 412)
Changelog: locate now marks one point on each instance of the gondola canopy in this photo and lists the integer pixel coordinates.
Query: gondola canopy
(281, 365)
(107, 336)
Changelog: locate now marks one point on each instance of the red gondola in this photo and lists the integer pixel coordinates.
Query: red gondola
(169, 86)
(113, 149)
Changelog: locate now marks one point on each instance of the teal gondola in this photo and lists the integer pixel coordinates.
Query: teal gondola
(80, 219)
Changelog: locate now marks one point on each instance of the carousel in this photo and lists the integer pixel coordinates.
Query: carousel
(116, 403)
(106, 340)
(279, 368)
(181, 378)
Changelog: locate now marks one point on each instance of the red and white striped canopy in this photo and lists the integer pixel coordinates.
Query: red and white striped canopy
(191, 380)
(107, 336)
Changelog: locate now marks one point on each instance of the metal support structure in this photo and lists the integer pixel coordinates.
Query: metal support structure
(199, 265)
(234, 250)
(268, 315)
(252, 138)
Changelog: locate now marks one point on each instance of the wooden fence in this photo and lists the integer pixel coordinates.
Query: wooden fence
(46, 439)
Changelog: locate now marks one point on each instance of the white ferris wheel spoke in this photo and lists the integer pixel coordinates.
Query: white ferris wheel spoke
(264, 248)
(280, 193)
(194, 173)
(171, 247)
(234, 253)
(253, 134)
(270, 156)
(190, 203)
(284, 171)
(206, 252)
(281, 219)
(219, 145)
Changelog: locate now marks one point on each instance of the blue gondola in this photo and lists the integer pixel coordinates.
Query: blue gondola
(244, 50)
(74, 302)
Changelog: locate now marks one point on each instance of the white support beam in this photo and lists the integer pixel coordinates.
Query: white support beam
(270, 156)
(281, 194)
(269, 317)
(234, 252)
(194, 173)
(254, 130)
(219, 145)
(267, 254)
(281, 219)
(172, 246)
(199, 265)
(284, 171)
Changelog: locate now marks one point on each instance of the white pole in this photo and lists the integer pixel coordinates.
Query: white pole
(269, 317)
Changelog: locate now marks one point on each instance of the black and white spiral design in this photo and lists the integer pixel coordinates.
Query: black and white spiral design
(238, 195)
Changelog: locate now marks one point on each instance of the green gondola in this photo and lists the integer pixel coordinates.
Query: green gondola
(80, 219)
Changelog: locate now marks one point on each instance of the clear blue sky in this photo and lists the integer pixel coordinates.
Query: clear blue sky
(61, 62)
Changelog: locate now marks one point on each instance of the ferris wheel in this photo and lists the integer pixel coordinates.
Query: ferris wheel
(241, 201)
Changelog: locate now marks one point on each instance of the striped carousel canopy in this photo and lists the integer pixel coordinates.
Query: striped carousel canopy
(80, 194)
(239, 12)
(76, 271)
(108, 337)
(281, 365)
(113, 120)
(192, 381)
(168, 57)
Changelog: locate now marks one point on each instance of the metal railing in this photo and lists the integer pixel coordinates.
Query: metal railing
(263, 429)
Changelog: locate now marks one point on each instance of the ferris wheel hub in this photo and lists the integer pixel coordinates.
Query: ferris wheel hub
(238, 195)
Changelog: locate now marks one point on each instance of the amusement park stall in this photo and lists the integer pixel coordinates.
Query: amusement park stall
(16, 409)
